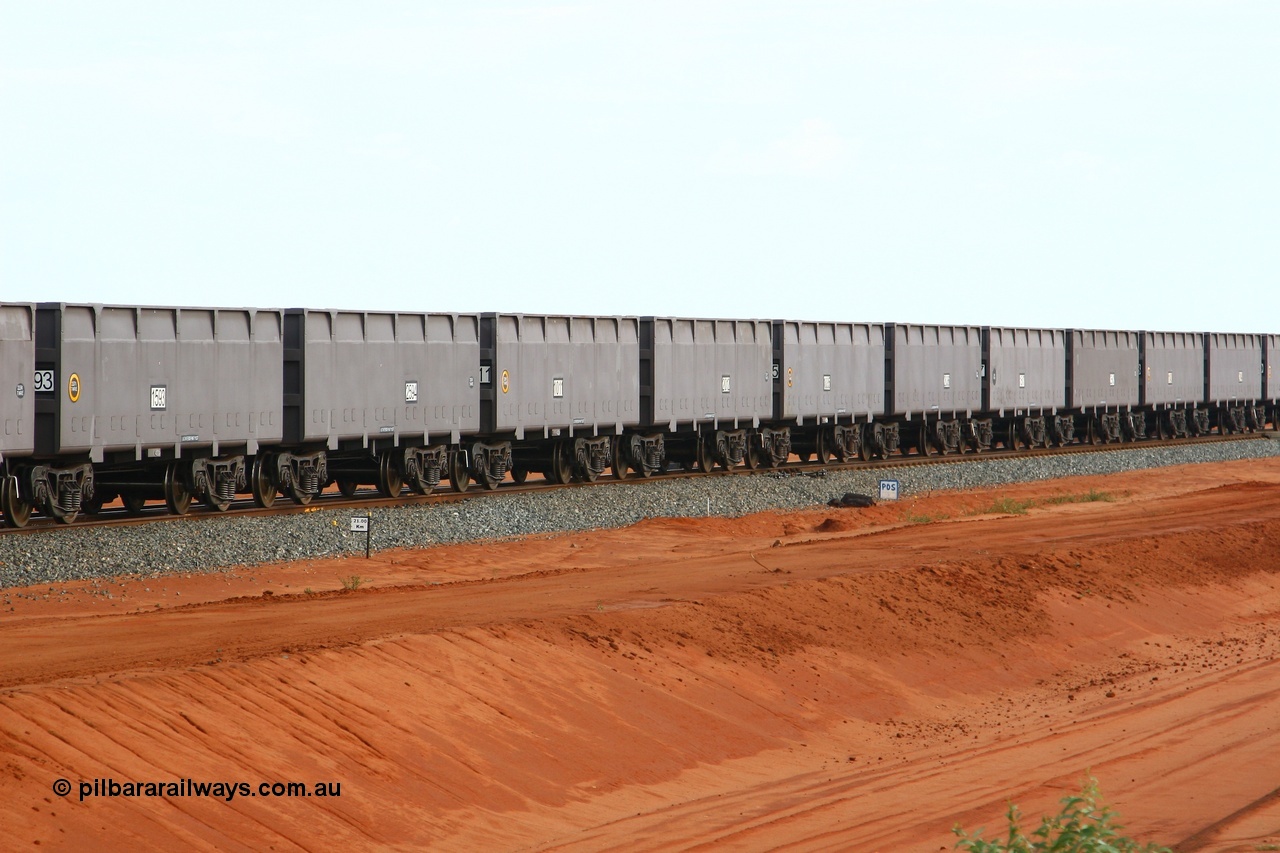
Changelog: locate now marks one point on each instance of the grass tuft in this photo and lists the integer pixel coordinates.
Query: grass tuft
(923, 518)
(1014, 506)
(351, 582)
(1010, 506)
(1091, 496)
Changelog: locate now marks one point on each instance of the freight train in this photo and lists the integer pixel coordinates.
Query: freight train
(176, 404)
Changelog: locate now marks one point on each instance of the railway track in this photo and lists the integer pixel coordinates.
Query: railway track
(116, 516)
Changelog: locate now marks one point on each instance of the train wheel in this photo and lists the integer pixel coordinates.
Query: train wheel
(17, 512)
(347, 488)
(704, 461)
(821, 451)
(94, 505)
(561, 464)
(1091, 433)
(390, 480)
(176, 495)
(264, 491)
(133, 504)
(459, 476)
(922, 441)
(755, 459)
(519, 475)
(488, 481)
(298, 496)
(1013, 442)
(618, 458)
(217, 504)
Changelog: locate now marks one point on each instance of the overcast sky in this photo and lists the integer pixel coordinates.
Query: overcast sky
(1100, 164)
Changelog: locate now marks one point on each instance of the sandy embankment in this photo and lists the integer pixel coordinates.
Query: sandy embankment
(830, 679)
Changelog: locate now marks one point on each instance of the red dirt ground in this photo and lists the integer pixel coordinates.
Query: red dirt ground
(833, 679)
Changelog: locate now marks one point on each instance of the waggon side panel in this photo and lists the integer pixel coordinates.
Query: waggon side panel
(142, 378)
(828, 369)
(17, 380)
(367, 375)
(1103, 368)
(1234, 367)
(552, 372)
(1025, 369)
(1173, 371)
(937, 370)
(717, 372)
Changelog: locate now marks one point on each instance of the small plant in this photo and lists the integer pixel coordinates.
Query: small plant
(351, 582)
(1091, 496)
(1010, 506)
(309, 591)
(924, 518)
(1083, 826)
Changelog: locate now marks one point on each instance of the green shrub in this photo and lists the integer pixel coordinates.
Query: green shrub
(1083, 826)
(351, 581)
